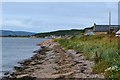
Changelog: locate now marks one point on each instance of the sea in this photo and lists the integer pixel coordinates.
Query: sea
(15, 50)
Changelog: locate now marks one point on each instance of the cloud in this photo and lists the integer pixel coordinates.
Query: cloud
(0, 23)
(42, 17)
(13, 23)
(16, 23)
(60, 0)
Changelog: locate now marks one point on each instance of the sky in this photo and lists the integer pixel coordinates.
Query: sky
(52, 16)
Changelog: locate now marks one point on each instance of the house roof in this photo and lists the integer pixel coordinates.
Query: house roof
(104, 28)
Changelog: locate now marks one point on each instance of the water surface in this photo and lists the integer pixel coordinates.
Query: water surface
(15, 50)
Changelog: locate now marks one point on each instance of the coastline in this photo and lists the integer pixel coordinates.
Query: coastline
(53, 61)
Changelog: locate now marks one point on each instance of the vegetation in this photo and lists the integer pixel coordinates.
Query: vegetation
(103, 49)
(60, 33)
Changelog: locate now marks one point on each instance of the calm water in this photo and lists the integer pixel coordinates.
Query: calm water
(15, 50)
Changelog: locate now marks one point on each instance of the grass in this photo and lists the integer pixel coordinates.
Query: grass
(103, 49)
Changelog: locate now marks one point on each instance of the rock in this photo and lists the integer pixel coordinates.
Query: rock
(62, 75)
(78, 62)
(77, 52)
(70, 51)
(6, 73)
(40, 62)
(22, 75)
(18, 68)
(82, 70)
(84, 64)
(43, 47)
(35, 51)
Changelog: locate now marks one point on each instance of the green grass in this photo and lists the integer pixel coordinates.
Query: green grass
(103, 49)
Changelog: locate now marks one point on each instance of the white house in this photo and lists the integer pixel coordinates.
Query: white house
(118, 33)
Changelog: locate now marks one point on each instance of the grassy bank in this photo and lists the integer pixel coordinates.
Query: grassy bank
(102, 49)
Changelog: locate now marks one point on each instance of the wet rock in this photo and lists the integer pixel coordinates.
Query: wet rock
(35, 51)
(43, 47)
(19, 68)
(22, 78)
(7, 73)
(26, 62)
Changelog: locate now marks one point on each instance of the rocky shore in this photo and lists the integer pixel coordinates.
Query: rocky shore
(54, 62)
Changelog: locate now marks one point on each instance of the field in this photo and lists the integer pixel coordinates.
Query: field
(102, 49)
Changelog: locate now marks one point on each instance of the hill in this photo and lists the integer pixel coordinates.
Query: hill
(15, 33)
(60, 33)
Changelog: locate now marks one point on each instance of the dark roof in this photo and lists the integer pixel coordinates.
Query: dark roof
(104, 28)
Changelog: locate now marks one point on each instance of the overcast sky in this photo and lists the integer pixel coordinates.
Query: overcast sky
(52, 16)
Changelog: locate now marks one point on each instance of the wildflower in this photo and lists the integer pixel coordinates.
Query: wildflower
(113, 68)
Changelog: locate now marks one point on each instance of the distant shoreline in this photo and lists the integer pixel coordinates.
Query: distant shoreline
(24, 37)
(15, 37)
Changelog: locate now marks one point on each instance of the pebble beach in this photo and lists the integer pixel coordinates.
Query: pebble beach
(54, 62)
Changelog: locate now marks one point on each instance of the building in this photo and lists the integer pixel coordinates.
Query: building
(118, 33)
(101, 29)
(88, 31)
(104, 29)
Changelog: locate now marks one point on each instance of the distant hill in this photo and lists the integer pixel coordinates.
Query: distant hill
(15, 33)
(88, 28)
(60, 33)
